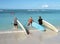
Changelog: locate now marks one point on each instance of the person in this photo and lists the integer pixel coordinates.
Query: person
(40, 20)
(30, 21)
(15, 23)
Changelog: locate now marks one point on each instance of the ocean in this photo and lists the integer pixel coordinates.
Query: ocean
(7, 17)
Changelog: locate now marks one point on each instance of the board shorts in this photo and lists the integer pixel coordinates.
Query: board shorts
(15, 24)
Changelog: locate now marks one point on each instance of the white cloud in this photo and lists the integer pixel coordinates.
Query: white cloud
(45, 6)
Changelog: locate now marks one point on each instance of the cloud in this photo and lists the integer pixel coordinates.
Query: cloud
(45, 6)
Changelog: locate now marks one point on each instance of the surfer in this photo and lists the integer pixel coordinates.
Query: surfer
(40, 20)
(15, 22)
(30, 21)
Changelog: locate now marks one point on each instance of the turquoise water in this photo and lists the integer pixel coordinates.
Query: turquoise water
(7, 17)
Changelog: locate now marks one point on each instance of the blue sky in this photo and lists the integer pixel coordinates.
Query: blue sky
(29, 4)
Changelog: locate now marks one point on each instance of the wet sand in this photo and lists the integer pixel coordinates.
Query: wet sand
(35, 37)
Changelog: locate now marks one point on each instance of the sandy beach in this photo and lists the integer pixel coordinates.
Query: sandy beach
(35, 37)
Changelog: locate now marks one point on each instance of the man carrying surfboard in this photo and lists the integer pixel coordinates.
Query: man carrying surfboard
(30, 21)
(40, 20)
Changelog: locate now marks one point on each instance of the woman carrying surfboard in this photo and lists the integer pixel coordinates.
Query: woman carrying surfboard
(15, 23)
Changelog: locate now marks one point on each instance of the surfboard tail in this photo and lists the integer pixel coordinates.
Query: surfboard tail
(50, 26)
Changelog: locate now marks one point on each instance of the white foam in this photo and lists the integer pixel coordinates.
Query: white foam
(10, 32)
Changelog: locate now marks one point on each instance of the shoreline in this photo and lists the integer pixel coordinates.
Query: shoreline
(35, 36)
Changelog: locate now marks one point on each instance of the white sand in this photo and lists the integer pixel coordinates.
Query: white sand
(35, 37)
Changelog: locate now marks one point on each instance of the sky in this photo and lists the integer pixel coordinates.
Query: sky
(29, 4)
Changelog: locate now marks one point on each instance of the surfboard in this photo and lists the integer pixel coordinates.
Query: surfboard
(22, 27)
(37, 26)
(49, 25)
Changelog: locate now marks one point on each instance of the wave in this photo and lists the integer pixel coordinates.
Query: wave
(29, 11)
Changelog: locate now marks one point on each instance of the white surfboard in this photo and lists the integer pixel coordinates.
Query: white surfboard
(47, 24)
(22, 26)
